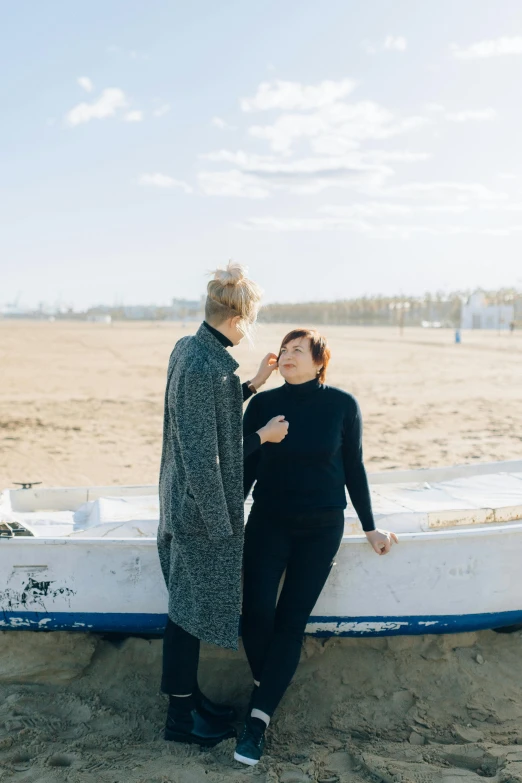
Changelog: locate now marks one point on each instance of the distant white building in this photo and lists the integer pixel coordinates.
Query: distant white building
(186, 310)
(479, 313)
(99, 318)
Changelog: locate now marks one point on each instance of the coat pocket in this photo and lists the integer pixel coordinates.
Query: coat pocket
(190, 522)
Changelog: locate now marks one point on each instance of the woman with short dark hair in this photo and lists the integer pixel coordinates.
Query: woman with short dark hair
(297, 520)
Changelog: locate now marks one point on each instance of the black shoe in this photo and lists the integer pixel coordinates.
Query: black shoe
(251, 743)
(194, 727)
(222, 712)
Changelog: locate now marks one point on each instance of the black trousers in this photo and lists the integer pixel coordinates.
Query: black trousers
(180, 661)
(272, 629)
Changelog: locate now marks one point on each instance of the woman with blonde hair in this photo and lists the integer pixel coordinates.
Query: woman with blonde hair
(297, 520)
(201, 529)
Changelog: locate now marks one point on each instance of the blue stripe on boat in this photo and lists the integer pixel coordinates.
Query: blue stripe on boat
(317, 626)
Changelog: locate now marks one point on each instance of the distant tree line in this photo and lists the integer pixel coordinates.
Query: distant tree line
(438, 309)
(442, 309)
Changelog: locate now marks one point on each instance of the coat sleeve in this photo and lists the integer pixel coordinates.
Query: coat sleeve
(354, 470)
(195, 417)
(251, 425)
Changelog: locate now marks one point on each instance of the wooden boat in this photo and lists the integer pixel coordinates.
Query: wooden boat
(85, 559)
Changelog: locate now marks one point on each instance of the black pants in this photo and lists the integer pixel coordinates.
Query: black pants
(180, 661)
(273, 629)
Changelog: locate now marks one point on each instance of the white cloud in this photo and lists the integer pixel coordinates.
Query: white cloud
(407, 210)
(395, 43)
(464, 115)
(411, 209)
(290, 96)
(382, 209)
(335, 134)
(496, 47)
(133, 54)
(361, 226)
(231, 183)
(337, 128)
(402, 156)
(245, 160)
(319, 142)
(470, 116)
(266, 165)
(133, 116)
(217, 122)
(459, 192)
(162, 110)
(258, 176)
(164, 181)
(85, 83)
(366, 209)
(377, 230)
(392, 43)
(107, 105)
(368, 47)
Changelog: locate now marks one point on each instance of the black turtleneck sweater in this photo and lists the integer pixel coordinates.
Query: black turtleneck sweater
(321, 455)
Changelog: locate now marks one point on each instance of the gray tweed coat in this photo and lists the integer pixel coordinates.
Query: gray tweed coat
(200, 534)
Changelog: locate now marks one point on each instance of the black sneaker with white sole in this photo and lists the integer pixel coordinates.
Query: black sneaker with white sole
(251, 742)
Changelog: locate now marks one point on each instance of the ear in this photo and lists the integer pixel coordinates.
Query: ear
(235, 321)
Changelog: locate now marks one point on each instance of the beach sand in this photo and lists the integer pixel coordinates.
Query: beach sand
(82, 404)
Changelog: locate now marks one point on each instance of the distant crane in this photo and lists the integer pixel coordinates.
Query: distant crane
(12, 308)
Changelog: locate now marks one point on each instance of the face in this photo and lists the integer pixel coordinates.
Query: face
(296, 364)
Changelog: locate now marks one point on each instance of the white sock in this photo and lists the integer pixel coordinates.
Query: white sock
(256, 682)
(181, 695)
(261, 715)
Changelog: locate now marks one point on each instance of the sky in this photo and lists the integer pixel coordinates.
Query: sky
(337, 149)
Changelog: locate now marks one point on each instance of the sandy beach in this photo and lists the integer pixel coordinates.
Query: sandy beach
(81, 404)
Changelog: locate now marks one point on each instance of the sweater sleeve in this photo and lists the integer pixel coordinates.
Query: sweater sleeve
(354, 471)
(251, 425)
(251, 443)
(247, 391)
(195, 417)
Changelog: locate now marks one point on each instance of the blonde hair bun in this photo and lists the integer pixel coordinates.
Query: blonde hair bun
(230, 293)
(233, 274)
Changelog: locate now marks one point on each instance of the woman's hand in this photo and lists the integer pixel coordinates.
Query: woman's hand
(381, 540)
(275, 431)
(266, 368)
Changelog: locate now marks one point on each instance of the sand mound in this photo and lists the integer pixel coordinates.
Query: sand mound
(434, 709)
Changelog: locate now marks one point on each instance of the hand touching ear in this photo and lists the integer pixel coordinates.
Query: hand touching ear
(266, 368)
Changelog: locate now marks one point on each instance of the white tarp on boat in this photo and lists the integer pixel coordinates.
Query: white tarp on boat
(400, 504)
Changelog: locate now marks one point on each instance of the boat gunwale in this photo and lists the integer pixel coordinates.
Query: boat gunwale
(394, 476)
(359, 538)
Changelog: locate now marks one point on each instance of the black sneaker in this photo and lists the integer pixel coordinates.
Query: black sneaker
(251, 743)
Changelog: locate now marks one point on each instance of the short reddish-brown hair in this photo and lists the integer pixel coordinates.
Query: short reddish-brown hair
(319, 347)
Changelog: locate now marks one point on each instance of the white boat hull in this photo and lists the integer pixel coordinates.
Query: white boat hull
(447, 579)
(434, 583)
